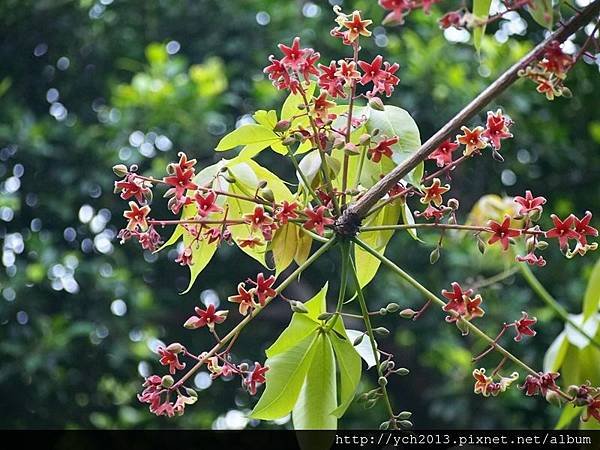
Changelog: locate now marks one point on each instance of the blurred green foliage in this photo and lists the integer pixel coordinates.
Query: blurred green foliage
(87, 84)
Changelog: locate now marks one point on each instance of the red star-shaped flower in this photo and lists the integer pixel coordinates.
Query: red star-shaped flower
(286, 211)
(471, 139)
(207, 203)
(382, 148)
(563, 230)
(502, 232)
(245, 298)
(434, 193)
(171, 359)
(255, 378)
(583, 228)
(316, 219)
(264, 288)
(523, 326)
(205, 317)
(357, 27)
(443, 154)
(529, 203)
(496, 129)
(137, 216)
(258, 218)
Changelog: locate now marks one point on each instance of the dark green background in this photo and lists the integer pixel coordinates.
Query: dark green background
(67, 361)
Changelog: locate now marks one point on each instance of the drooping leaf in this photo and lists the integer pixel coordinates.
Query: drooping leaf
(366, 264)
(408, 219)
(318, 397)
(481, 11)
(249, 134)
(542, 12)
(202, 253)
(394, 121)
(591, 300)
(284, 379)
(284, 246)
(589, 326)
(348, 364)
(304, 245)
(364, 349)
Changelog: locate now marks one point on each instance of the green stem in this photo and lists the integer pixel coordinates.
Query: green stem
(343, 282)
(431, 296)
(240, 326)
(551, 302)
(361, 163)
(365, 315)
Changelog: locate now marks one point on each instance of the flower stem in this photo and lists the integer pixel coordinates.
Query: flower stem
(343, 283)
(240, 326)
(302, 176)
(369, 327)
(446, 226)
(551, 302)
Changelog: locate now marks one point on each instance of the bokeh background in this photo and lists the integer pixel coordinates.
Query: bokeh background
(86, 84)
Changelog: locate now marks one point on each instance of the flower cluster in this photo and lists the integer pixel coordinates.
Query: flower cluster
(462, 306)
(549, 73)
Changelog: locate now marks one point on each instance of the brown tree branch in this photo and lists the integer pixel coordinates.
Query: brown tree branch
(352, 216)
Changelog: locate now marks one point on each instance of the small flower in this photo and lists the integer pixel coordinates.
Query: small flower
(443, 154)
(322, 105)
(245, 298)
(582, 228)
(136, 217)
(592, 410)
(502, 232)
(532, 259)
(264, 288)
(294, 56)
(563, 230)
(431, 212)
(383, 148)
(482, 382)
(347, 71)
(372, 72)
(473, 308)
(181, 180)
(434, 193)
(152, 391)
(523, 326)
(133, 186)
(185, 257)
(329, 81)
(471, 139)
(317, 220)
(150, 240)
(398, 9)
(171, 359)
(286, 212)
(451, 19)
(357, 27)
(207, 203)
(529, 204)
(258, 218)
(205, 317)
(250, 242)
(496, 129)
(539, 383)
(255, 378)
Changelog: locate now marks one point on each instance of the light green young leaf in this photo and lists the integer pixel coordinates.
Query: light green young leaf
(408, 219)
(591, 300)
(394, 121)
(481, 11)
(366, 264)
(318, 397)
(202, 253)
(568, 415)
(284, 379)
(249, 134)
(542, 12)
(304, 245)
(301, 325)
(290, 106)
(284, 246)
(267, 119)
(348, 363)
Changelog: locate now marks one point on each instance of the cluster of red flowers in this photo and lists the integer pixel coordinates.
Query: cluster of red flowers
(549, 73)
(399, 9)
(462, 306)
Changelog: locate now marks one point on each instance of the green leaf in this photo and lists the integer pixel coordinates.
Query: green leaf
(542, 12)
(202, 253)
(555, 355)
(301, 325)
(366, 264)
(481, 10)
(304, 245)
(290, 106)
(568, 414)
(284, 380)
(267, 119)
(249, 134)
(318, 397)
(284, 246)
(408, 219)
(348, 363)
(394, 121)
(591, 300)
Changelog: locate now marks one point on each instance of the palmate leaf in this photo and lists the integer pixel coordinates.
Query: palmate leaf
(302, 371)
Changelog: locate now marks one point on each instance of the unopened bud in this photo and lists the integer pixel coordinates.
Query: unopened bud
(267, 194)
(384, 425)
(434, 255)
(404, 415)
(541, 245)
(290, 140)
(358, 340)
(405, 424)
(167, 381)
(376, 104)
(497, 156)
(190, 392)
(364, 139)
(325, 316)
(453, 203)
(530, 244)
(298, 307)
(351, 150)
(481, 245)
(554, 398)
(392, 307)
(382, 381)
(402, 371)
(175, 347)
(148, 195)
(382, 311)
(243, 367)
(381, 331)
(566, 92)
(375, 132)
(282, 125)
(133, 168)
(120, 170)
(407, 313)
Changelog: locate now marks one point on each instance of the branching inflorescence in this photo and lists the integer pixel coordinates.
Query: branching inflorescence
(341, 140)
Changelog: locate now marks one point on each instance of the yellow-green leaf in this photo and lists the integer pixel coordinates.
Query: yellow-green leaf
(348, 363)
(284, 246)
(248, 134)
(481, 11)
(591, 300)
(290, 106)
(304, 245)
